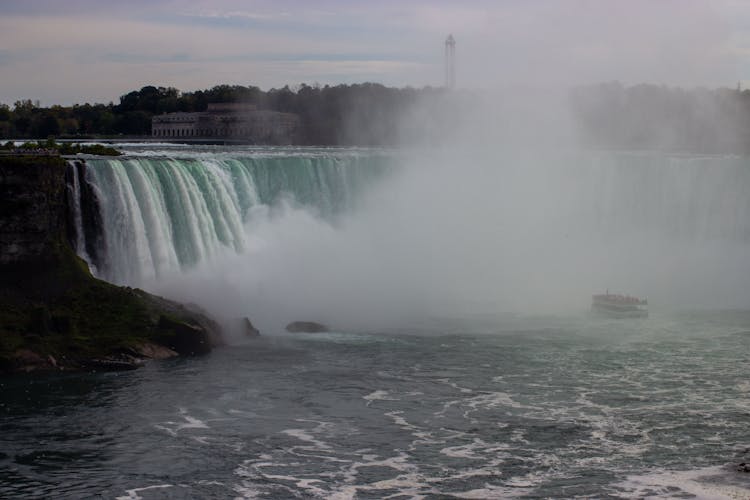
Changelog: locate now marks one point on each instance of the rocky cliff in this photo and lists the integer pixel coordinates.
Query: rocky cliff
(53, 313)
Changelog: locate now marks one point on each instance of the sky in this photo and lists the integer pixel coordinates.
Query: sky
(75, 51)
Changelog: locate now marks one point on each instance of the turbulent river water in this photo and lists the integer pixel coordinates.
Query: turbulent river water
(534, 407)
(461, 362)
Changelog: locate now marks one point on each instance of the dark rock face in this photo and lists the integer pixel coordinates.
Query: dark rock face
(182, 337)
(191, 316)
(31, 206)
(306, 327)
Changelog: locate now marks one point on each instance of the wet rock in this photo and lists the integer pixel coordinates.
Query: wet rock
(306, 327)
(743, 467)
(189, 314)
(184, 338)
(26, 360)
(154, 351)
(28, 356)
(249, 329)
(115, 363)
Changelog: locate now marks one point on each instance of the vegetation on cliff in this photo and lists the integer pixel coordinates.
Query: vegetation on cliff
(53, 313)
(50, 146)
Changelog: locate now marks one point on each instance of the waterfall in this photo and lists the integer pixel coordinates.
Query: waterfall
(76, 214)
(417, 229)
(162, 214)
(691, 199)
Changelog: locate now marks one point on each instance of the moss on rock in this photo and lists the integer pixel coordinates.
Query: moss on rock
(51, 305)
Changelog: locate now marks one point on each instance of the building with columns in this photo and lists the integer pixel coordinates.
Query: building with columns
(240, 122)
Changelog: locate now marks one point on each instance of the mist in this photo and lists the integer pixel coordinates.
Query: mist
(525, 198)
(495, 209)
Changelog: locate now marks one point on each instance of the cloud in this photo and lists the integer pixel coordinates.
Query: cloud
(197, 43)
(7, 57)
(138, 58)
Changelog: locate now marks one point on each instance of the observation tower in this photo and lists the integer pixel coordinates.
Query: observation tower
(450, 62)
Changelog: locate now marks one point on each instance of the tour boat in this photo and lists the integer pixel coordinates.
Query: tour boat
(619, 306)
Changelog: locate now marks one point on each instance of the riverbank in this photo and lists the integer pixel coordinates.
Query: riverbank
(54, 315)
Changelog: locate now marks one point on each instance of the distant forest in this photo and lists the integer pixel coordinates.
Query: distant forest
(327, 113)
(610, 115)
(651, 117)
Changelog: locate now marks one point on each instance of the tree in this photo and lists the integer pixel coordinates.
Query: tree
(45, 126)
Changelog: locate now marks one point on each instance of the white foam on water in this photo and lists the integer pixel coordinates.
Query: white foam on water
(342, 480)
(400, 462)
(308, 485)
(527, 481)
(414, 393)
(401, 421)
(133, 494)
(247, 492)
(303, 435)
(484, 401)
(476, 450)
(173, 428)
(455, 386)
(250, 472)
(708, 483)
(410, 484)
(491, 492)
(517, 436)
(378, 395)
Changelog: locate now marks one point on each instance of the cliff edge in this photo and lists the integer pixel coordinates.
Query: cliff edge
(54, 315)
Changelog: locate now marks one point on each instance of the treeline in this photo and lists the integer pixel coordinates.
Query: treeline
(344, 114)
(652, 117)
(51, 147)
(608, 115)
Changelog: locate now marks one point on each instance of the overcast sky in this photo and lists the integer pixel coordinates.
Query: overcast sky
(96, 50)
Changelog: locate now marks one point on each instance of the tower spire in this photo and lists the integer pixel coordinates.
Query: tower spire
(450, 62)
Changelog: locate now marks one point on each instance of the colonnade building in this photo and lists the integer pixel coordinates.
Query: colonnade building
(232, 121)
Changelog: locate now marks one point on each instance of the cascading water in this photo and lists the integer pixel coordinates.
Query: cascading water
(76, 214)
(690, 198)
(499, 231)
(162, 215)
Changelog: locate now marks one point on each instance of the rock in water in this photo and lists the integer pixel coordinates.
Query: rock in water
(26, 360)
(113, 363)
(182, 337)
(306, 327)
(249, 328)
(154, 351)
